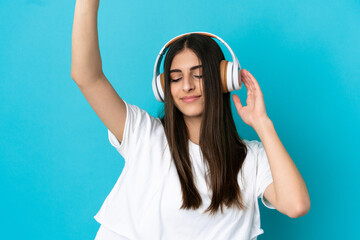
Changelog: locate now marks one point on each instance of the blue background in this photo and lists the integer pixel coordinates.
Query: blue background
(56, 163)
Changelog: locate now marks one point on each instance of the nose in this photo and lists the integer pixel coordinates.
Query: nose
(188, 83)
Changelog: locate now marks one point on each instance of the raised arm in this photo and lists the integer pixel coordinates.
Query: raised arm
(85, 54)
(86, 69)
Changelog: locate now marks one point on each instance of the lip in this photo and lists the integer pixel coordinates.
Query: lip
(189, 99)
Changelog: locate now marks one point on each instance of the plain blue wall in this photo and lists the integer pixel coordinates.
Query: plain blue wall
(56, 164)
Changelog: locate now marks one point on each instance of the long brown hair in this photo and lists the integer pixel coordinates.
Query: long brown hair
(223, 150)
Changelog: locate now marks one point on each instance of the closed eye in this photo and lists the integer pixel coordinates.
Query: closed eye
(175, 80)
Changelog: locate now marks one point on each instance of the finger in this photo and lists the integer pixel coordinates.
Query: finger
(254, 81)
(249, 80)
(237, 101)
(241, 75)
(245, 80)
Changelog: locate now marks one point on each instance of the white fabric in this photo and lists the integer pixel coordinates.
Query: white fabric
(106, 233)
(145, 201)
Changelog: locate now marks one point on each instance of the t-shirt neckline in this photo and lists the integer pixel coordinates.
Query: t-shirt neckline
(193, 144)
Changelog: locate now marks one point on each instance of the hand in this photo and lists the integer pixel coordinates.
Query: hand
(255, 110)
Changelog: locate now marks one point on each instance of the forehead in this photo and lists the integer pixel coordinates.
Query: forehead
(185, 60)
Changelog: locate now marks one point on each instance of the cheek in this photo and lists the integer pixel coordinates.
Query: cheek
(201, 85)
(173, 90)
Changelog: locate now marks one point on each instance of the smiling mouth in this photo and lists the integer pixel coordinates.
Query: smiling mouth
(190, 99)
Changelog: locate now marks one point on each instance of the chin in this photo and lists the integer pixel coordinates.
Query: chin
(193, 113)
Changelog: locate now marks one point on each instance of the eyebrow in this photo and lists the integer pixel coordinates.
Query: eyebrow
(192, 68)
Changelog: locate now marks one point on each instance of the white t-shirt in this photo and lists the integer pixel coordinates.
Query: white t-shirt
(145, 201)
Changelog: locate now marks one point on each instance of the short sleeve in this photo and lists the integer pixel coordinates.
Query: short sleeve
(263, 175)
(138, 126)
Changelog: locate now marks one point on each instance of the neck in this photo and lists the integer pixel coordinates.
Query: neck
(194, 126)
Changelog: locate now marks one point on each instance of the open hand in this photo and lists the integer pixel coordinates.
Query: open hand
(255, 109)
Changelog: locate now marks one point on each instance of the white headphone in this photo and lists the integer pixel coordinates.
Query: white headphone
(229, 71)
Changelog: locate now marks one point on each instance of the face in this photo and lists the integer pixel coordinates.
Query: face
(186, 84)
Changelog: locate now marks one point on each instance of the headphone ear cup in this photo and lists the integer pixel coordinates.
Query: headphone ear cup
(162, 81)
(223, 75)
(160, 88)
(229, 76)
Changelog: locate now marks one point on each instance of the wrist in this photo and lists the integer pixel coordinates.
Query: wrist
(262, 124)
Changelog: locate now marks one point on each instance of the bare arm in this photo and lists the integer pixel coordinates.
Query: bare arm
(86, 69)
(288, 192)
(85, 54)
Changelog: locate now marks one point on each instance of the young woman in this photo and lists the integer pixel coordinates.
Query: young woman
(187, 174)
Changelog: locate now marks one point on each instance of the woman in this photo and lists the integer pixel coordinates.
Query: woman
(188, 175)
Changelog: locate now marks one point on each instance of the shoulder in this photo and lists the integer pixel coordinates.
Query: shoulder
(142, 131)
(140, 115)
(140, 125)
(252, 145)
(254, 149)
(251, 155)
